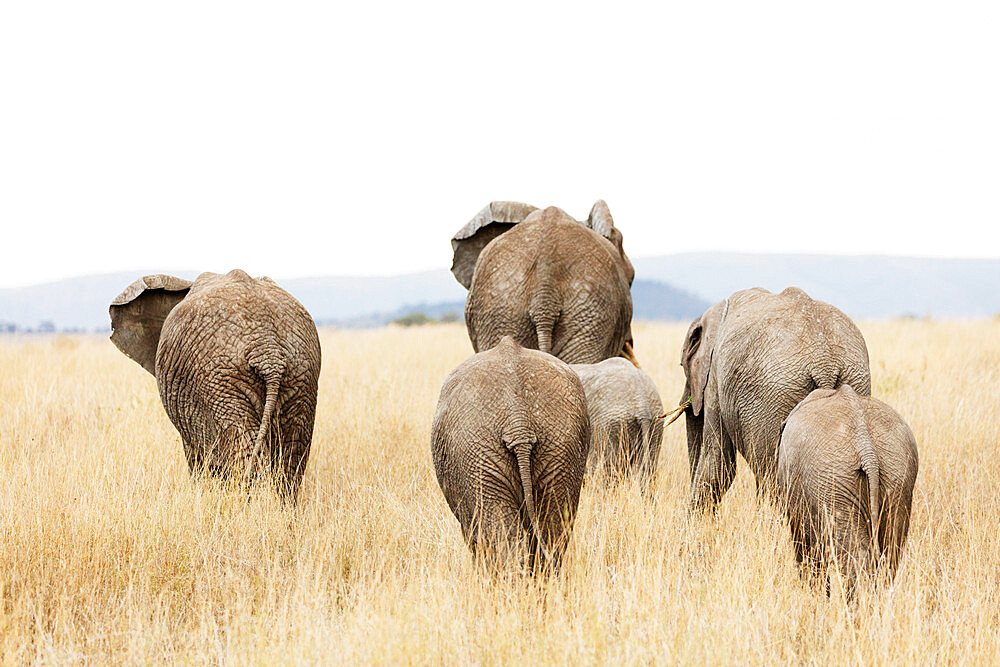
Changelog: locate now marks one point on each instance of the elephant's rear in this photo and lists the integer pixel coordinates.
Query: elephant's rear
(238, 367)
(846, 467)
(291, 429)
(899, 465)
(624, 407)
(553, 285)
(509, 440)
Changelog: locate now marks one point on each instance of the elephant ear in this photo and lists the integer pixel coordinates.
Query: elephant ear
(600, 219)
(696, 356)
(137, 316)
(488, 224)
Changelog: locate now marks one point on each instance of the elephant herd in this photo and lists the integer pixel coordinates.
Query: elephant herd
(554, 392)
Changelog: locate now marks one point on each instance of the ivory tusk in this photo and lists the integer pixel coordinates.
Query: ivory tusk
(676, 413)
(628, 354)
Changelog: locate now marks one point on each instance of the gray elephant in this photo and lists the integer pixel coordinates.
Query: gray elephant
(548, 281)
(846, 468)
(237, 363)
(748, 361)
(625, 417)
(509, 440)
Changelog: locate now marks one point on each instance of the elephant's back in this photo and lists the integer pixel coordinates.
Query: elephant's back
(820, 454)
(494, 385)
(563, 247)
(617, 390)
(242, 318)
(556, 405)
(773, 350)
(790, 335)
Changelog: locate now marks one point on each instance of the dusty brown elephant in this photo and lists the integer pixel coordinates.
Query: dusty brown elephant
(509, 440)
(237, 363)
(846, 468)
(748, 361)
(625, 417)
(546, 280)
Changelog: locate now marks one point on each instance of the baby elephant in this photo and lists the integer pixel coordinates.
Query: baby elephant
(847, 465)
(625, 410)
(236, 360)
(509, 440)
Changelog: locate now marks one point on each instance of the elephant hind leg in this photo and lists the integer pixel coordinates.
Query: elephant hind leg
(615, 449)
(194, 454)
(893, 528)
(288, 462)
(226, 453)
(854, 570)
(497, 536)
(805, 535)
(647, 450)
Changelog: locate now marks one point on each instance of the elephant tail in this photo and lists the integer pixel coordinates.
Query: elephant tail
(272, 382)
(870, 467)
(543, 313)
(522, 451)
(543, 330)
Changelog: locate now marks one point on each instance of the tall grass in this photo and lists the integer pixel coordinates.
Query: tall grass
(110, 552)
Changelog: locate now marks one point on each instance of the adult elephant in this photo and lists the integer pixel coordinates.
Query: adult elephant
(237, 363)
(748, 361)
(510, 439)
(546, 280)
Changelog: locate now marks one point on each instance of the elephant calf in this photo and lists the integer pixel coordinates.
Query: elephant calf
(625, 409)
(509, 440)
(846, 466)
(237, 362)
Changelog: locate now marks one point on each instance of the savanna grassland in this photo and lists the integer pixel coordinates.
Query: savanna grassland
(109, 551)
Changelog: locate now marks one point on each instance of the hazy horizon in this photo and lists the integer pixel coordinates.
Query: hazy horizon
(139, 272)
(862, 286)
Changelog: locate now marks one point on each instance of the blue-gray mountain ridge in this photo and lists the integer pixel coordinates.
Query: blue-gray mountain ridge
(672, 287)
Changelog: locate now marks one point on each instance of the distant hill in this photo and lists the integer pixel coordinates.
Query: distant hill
(651, 300)
(673, 287)
(452, 310)
(338, 298)
(863, 286)
(82, 303)
(73, 304)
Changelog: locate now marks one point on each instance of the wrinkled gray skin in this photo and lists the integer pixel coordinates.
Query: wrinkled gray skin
(548, 281)
(510, 440)
(237, 363)
(846, 467)
(625, 409)
(748, 361)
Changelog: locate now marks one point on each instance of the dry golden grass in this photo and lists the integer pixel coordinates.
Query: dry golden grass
(110, 552)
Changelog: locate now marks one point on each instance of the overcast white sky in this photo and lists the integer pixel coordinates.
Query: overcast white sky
(302, 138)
